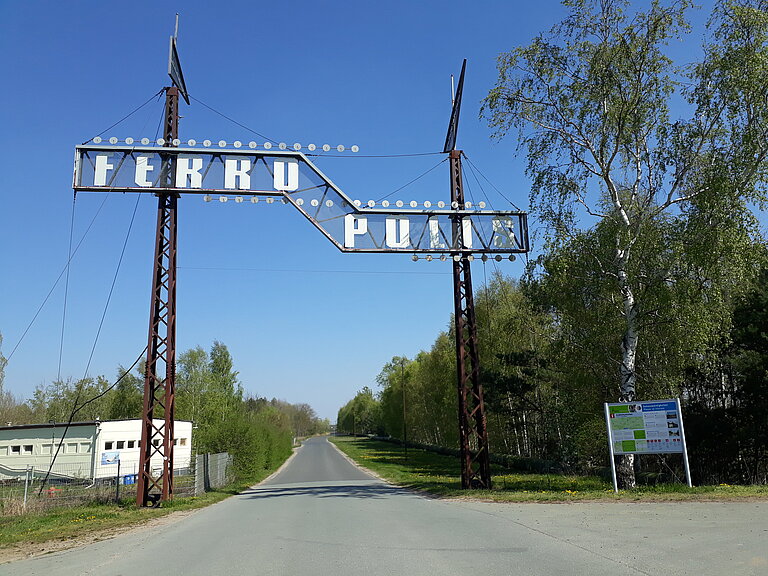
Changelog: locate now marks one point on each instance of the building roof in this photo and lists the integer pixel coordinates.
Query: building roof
(46, 425)
(64, 424)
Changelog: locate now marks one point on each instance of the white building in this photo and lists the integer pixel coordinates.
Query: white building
(90, 449)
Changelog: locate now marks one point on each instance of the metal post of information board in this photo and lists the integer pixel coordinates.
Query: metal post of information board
(610, 448)
(685, 446)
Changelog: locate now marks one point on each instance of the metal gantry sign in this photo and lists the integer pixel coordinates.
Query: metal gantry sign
(455, 230)
(291, 177)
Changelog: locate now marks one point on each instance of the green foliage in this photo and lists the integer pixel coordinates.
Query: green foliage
(11, 408)
(440, 474)
(650, 236)
(87, 398)
(361, 415)
(727, 419)
(127, 398)
(257, 432)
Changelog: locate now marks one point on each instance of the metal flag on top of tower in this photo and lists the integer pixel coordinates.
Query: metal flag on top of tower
(453, 125)
(174, 65)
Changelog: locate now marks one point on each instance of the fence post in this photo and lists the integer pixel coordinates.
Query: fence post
(117, 483)
(26, 486)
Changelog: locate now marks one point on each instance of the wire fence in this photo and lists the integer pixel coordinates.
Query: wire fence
(70, 485)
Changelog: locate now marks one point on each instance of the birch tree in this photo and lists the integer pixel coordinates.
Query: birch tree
(592, 103)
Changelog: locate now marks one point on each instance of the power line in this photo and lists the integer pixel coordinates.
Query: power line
(126, 116)
(112, 287)
(72, 253)
(305, 271)
(412, 181)
(56, 283)
(410, 155)
(66, 287)
(491, 183)
(251, 130)
(76, 409)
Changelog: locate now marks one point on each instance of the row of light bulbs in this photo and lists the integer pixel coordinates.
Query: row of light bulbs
(457, 257)
(329, 203)
(224, 144)
(415, 257)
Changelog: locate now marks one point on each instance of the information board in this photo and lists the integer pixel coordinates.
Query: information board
(645, 427)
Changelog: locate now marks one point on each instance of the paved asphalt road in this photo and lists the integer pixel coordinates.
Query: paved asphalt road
(323, 516)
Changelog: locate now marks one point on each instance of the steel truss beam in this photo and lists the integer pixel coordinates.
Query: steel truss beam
(473, 434)
(160, 376)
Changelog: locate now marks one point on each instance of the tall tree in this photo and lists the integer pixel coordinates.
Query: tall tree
(592, 100)
(11, 408)
(127, 397)
(192, 381)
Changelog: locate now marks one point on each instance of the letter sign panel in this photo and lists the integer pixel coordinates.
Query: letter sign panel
(290, 175)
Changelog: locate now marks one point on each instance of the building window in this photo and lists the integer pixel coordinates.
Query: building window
(3, 450)
(131, 443)
(155, 443)
(120, 444)
(175, 441)
(15, 450)
(46, 449)
(27, 449)
(182, 442)
(85, 447)
(108, 445)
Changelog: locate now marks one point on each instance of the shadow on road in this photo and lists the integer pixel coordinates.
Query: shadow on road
(343, 491)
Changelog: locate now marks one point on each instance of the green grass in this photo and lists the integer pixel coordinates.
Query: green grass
(68, 523)
(441, 475)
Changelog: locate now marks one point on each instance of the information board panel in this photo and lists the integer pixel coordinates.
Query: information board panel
(645, 427)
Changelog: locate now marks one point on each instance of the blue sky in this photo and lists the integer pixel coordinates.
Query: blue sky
(303, 322)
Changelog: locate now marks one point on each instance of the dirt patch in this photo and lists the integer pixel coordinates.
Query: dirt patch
(25, 550)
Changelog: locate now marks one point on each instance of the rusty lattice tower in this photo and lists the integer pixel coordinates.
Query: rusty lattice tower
(158, 413)
(473, 433)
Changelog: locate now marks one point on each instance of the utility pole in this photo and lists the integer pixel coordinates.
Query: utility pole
(405, 412)
(160, 376)
(473, 434)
